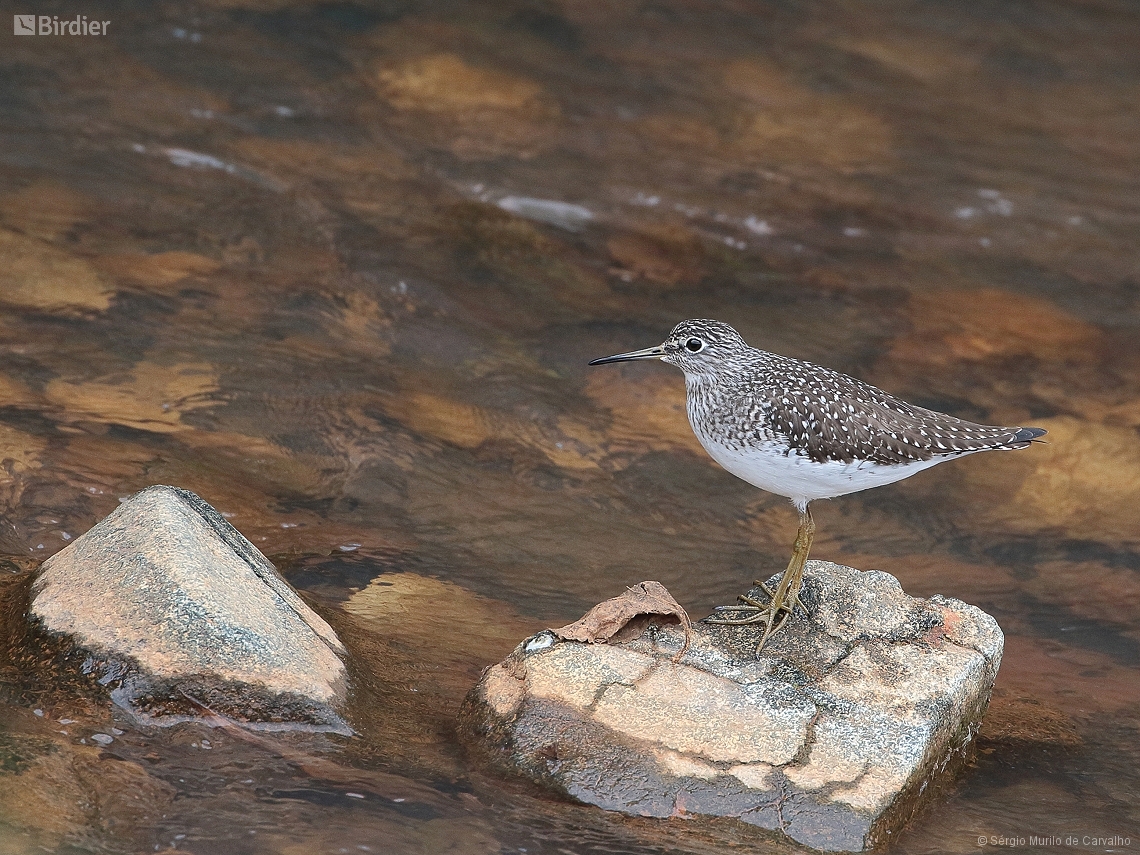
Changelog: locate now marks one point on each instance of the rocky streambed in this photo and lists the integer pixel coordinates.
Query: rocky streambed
(833, 736)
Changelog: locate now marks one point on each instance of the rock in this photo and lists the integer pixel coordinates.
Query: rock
(150, 396)
(662, 255)
(476, 112)
(782, 119)
(834, 736)
(38, 276)
(181, 616)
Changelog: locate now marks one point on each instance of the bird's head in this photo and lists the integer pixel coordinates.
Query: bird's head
(695, 346)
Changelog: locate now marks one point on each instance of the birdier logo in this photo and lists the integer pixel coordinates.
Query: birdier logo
(51, 25)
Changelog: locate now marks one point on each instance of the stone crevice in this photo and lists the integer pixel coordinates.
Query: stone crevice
(850, 647)
(803, 756)
(834, 787)
(962, 646)
(783, 797)
(599, 694)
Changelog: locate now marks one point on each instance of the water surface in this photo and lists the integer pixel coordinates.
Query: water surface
(256, 249)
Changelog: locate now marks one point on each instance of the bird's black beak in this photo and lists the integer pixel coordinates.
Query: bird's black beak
(649, 353)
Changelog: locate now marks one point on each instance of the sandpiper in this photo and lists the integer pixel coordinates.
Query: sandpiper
(806, 432)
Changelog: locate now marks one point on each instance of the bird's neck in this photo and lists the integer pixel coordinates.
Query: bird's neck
(702, 393)
(700, 384)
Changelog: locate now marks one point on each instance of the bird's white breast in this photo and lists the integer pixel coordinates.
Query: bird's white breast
(772, 467)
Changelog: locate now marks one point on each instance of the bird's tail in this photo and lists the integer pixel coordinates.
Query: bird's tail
(1025, 436)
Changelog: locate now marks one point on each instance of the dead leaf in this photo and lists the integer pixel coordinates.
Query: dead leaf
(606, 620)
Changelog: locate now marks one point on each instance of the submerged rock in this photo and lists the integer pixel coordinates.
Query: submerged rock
(834, 736)
(181, 616)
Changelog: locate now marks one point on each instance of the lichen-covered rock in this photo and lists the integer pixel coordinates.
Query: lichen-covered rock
(833, 736)
(181, 616)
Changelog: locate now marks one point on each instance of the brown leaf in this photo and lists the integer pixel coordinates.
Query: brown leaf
(606, 620)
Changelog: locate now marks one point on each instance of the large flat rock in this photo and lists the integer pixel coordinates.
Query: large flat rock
(833, 737)
(183, 616)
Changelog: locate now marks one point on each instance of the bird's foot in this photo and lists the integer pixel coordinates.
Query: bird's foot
(796, 601)
(783, 601)
(754, 614)
(752, 611)
(773, 626)
(773, 615)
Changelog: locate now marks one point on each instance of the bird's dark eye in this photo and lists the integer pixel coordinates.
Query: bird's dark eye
(694, 345)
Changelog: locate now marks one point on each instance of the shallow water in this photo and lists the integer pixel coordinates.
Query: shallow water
(255, 249)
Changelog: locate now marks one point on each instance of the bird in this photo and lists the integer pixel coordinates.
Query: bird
(804, 432)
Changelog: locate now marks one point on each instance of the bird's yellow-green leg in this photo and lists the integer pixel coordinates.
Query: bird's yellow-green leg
(787, 594)
(763, 586)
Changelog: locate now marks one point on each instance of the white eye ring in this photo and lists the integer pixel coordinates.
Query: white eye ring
(694, 345)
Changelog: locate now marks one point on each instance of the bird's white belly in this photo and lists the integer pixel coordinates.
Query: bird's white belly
(803, 480)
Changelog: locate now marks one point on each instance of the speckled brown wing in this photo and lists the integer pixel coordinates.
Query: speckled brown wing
(829, 416)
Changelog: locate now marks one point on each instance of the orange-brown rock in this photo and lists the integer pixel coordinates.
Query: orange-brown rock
(182, 616)
(981, 323)
(831, 737)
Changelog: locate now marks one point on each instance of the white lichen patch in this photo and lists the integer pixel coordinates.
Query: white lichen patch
(695, 712)
(685, 767)
(837, 755)
(755, 776)
(573, 675)
(873, 792)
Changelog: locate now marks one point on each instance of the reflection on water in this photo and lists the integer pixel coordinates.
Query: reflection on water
(303, 260)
